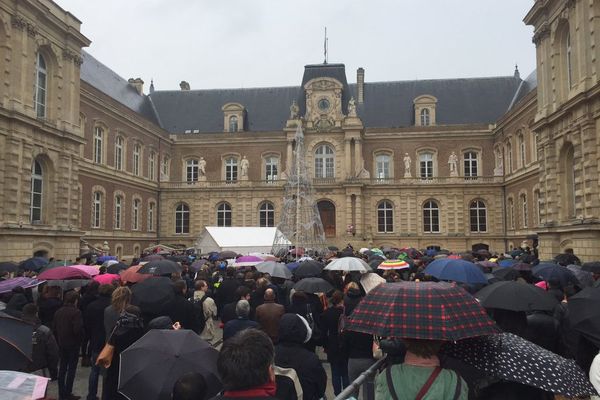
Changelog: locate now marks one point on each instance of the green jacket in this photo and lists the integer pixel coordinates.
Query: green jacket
(409, 379)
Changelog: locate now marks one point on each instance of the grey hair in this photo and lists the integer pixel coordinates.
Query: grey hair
(242, 308)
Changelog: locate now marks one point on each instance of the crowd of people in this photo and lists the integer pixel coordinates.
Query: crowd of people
(271, 332)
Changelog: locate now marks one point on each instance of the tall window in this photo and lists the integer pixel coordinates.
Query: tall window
(509, 158)
(151, 165)
(182, 219)
(385, 217)
(569, 61)
(324, 162)
(135, 217)
(524, 214)
(137, 150)
(426, 165)
(41, 87)
(478, 216)
(431, 217)
(382, 165)
(271, 164)
(535, 144)
(425, 117)
(511, 213)
(522, 150)
(37, 182)
(192, 170)
(224, 215)
(97, 210)
(118, 212)
(231, 169)
(98, 140)
(151, 208)
(119, 153)
(470, 164)
(233, 123)
(267, 214)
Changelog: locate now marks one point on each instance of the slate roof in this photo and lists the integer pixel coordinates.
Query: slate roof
(526, 86)
(108, 82)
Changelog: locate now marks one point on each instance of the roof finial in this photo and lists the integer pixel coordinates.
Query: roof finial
(517, 74)
(152, 85)
(325, 47)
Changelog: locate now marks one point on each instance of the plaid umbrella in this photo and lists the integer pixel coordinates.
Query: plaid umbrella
(421, 310)
(515, 359)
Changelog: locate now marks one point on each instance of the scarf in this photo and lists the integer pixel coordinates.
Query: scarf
(266, 390)
(413, 359)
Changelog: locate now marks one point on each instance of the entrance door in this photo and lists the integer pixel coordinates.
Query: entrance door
(327, 213)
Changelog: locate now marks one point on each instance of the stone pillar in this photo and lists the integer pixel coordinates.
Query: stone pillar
(348, 159)
(358, 225)
(348, 211)
(358, 158)
(289, 156)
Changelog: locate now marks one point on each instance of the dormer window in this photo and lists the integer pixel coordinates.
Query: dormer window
(425, 110)
(233, 117)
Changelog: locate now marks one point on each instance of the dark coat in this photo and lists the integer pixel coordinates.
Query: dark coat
(290, 353)
(68, 327)
(351, 300)
(358, 344)
(226, 292)
(182, 310)
(542, 329)
(268, 315)
(333, 343)
(93, 321)
(47, 308)
(45, 349)
(237, 325)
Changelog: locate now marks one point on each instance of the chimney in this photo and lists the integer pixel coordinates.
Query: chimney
(360, 85)
(138, 84)
(184, 85)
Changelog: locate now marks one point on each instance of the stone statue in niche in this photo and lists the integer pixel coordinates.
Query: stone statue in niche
(244, 165)
(407, 162)
(499, 169)
(294, 110)
(352, 107)
(202, 169)
(453, 162)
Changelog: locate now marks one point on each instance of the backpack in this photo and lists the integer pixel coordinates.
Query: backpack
(199, 313)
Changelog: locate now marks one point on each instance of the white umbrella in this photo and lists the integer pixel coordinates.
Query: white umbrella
(275, 269)
(348, 264)
(20, 386)
(370, 281)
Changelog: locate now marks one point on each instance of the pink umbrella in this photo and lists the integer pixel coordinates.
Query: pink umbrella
(61, 273)
(88, 269)
(107, 279)
(247, 261)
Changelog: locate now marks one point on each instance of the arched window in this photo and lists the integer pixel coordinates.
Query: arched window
(98, 143)
(470, 164)
(511, 213)
(231, 169)
(192, 170)
(97, 210)
(426, 165)
(137, 152)
(385, 217)
(431, 217)
(119, 142)
(271, 165)
(37, 192)
(324, 162)
(524, 214)
(41, 87)
(478, 216)
(382, 166)
(568, 60)
(151, 165)
(233, 123)
(118, 212)
(267, 214)
(135, 215)
(522, 151)
(182, 219)
(151, 209)
(425, 117)
(224, 215)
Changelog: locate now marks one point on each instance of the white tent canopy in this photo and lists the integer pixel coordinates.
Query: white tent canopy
(242, 239)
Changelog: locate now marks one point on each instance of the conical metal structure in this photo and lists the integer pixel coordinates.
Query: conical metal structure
(300, 222)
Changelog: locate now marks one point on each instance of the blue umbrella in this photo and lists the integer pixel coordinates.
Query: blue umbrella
(455, 270)
(33, 264)
(102, 259)
(508, 262)
(554, 272)
(292, 266)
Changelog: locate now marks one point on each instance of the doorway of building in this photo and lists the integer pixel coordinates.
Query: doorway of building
(327, 213)
(479, 246)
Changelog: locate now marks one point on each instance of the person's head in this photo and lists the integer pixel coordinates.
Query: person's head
(102, 270)
(180, 287)
(30, 310)
(230, 272)
(190, 386)
(242, 309)
(299, 297)
(106, 290)
(201, 285)
(246, 360)
(162, 322)
(269, 295)
(337, 298)
(243, 292)
(423, 348)
(71, 297)
(262, 283)
(120, 298)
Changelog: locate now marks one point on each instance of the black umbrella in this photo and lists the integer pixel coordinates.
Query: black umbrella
(584, 313)
(308, 268)
(506, 274)
(151, 366)
(515, 296)
(15, 343)
(116, 268)
(554, 272)
(33, 264)
(513, 358)
(8, 266)
(227, 254)
(585, 278)
(593, 267)
(160, 267)
(374, 263)
(566, 259)
(347, 252)
(152, 257)
(313, 285)
(179, 258)
(152, 294)
(521, 266)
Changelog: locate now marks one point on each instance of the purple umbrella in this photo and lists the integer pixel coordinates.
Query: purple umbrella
(24, 282)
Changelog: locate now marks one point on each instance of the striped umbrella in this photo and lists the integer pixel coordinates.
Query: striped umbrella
(393, 264)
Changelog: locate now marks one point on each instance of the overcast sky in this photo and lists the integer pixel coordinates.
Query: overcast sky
(257, 43)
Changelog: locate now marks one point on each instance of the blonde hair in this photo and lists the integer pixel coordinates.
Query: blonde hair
(120, 298)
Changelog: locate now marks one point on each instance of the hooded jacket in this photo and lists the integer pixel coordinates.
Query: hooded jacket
(290, 353)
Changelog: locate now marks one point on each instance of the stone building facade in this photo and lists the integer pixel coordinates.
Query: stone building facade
(453, 163)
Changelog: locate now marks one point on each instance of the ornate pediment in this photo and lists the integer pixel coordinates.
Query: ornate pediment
(323, 103)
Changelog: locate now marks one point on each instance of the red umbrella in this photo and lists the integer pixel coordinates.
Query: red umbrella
(131, 275)
(88, 269)
(421, 310)
(107, 279)
(61, 273)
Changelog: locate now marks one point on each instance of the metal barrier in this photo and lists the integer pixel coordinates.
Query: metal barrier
(362, 379)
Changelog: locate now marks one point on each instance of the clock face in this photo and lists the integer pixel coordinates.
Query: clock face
(323, 104)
